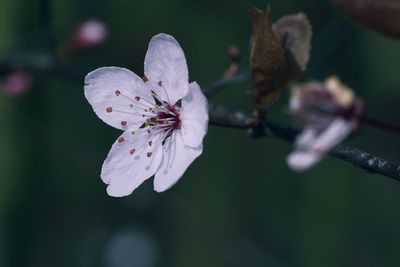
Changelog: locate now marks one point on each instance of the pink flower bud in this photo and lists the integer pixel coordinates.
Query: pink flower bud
(233, 53)
(88, 34)
(16, 83)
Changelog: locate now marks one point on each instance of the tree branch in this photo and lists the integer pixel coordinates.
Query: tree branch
(219, 115)
(358, 158)
(40, 62)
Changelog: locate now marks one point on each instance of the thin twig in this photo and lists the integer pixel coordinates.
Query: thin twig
(229, 125)
(219, 84)
(40, 62)
(380, 124)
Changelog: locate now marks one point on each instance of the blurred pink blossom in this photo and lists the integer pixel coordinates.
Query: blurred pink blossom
(90, 33)
(16, 83)
(329, 112)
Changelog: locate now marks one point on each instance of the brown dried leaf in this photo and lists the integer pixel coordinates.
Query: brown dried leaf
(294, 34)
(267, 61)
(381, 15)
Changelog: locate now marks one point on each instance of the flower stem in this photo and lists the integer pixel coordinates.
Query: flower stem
(377, 123)
(229, 125)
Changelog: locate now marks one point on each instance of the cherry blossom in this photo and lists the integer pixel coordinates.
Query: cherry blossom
(329, 112)
(163, 116)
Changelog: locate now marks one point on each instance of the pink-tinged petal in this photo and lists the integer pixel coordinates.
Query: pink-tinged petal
(132, 159)
(89, 34)
(177, 158)
(16, 83)
(166, 69)
(118, 96)
(194, 116)
(310, 147)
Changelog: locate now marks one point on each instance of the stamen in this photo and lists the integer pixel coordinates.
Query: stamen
(150, 143)
(123, 112)
(156, 99)
(132, 151)
(140, 104)
(123, 123)
(145, 79)
(109, 109)
(149, 154)
(121, 139)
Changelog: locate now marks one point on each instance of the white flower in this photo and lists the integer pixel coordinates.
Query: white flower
(164, 118)
(330, 113)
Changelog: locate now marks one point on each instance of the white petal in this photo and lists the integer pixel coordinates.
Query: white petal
(165, 62)
(194, 116)
(177, 158)
(310, 148)
(124, 169)
(306, 138)
(295, 101)
(111, 91)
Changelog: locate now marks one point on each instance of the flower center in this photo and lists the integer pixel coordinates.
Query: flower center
(166, 118)
(160, 117)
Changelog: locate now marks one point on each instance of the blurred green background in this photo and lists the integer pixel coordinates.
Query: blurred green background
(238, 204)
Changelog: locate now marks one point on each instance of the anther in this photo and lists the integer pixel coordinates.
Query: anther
(123, 123)
(144, 78)
(121, 139)
(150, 143)
(149, 154)
(160, 83)
(137, 98)
(132, 151)
(109, 109)
(117, 92)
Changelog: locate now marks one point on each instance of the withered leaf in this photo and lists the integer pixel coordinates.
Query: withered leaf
(267, 61)
(381, 15)
(294, 34)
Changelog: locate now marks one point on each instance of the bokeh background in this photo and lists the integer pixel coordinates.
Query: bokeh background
(238, 204)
